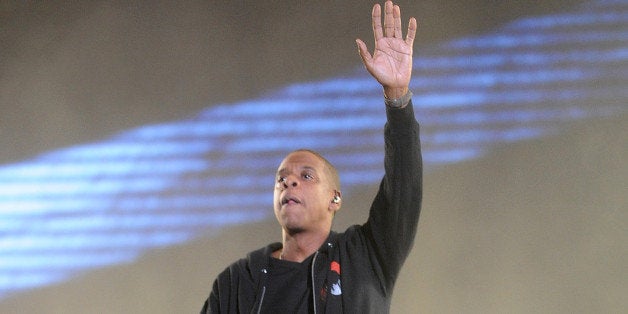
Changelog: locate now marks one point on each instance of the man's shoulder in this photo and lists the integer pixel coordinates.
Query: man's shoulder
(262, 254)
(253, 262)
(351, 236)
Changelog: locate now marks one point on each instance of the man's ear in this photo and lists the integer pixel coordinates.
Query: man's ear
(336, 201)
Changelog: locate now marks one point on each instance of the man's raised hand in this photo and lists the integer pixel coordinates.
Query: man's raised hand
(391, 62)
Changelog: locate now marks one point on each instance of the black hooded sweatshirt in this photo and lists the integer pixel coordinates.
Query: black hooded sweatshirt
(353, 271)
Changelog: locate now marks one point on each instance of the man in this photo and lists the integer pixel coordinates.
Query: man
(316, 270)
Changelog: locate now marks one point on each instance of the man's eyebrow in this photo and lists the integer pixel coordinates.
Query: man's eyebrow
(284, 170)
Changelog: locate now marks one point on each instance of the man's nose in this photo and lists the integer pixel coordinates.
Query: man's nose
(290, 181)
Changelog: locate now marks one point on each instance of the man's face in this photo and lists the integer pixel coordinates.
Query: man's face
(303, 194)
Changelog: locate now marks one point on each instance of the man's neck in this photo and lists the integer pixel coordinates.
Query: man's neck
(297, 247)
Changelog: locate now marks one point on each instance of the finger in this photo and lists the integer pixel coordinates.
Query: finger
(397, 18)
(389, 23)
(412, 27)
(363, 51)
(376, 15)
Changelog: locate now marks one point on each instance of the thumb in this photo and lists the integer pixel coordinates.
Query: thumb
(363, 51)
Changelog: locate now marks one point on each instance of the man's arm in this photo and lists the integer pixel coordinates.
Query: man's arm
(394, 214)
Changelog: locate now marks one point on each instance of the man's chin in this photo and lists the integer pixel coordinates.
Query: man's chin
(293, 230)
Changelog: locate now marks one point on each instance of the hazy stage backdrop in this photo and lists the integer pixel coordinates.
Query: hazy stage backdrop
(140, 140)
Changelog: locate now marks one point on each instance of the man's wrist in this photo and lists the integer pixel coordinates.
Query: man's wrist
(395, 92)
(400, 102)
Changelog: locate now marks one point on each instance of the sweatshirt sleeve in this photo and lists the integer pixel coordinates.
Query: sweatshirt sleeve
(394, 215)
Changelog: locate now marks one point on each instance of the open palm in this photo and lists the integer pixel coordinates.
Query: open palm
(391, 62)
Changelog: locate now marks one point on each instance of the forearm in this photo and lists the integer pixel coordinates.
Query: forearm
(403, 166)
(393, 218)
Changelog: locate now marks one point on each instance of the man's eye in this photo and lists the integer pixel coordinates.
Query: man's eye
(308, 176)
(281, 179)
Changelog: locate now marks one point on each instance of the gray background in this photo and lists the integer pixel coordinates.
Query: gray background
(537, 226)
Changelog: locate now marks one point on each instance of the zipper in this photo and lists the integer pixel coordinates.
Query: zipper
(314, 282)
(261, 300)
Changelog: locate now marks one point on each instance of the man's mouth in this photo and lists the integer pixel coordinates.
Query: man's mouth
(290, 200)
